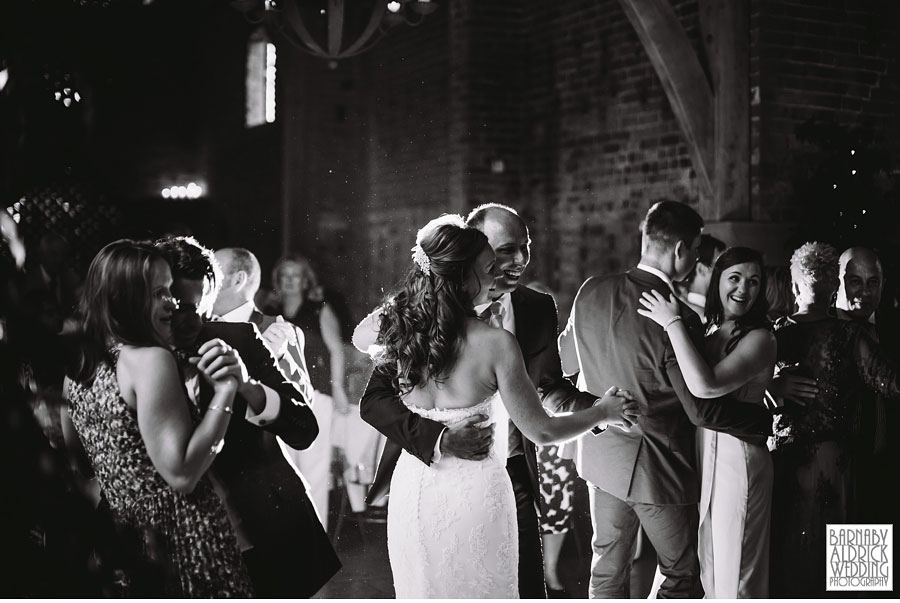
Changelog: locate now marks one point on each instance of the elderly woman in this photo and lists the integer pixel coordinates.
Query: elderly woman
(813, 442)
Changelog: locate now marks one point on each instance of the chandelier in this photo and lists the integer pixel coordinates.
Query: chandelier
(335, 29)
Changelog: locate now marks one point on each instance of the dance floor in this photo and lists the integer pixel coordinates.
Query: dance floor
(362, 546)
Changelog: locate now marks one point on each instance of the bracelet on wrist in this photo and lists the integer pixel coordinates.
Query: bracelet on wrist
(222, 408)
(672, 321)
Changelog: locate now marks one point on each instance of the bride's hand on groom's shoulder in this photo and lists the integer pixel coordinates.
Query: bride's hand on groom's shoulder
(621, 408)
(467, 439)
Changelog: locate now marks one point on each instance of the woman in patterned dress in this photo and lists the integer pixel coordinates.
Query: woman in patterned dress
(148, 446)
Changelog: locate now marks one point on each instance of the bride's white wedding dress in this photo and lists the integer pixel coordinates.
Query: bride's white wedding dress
(452, 531)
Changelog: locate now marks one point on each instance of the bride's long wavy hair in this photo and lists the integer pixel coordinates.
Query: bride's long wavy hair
(422, 322)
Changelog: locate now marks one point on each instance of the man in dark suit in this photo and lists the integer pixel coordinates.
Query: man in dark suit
(241, 275)
(285, 548)
(861, 284)
(532, 317)
(645, 475)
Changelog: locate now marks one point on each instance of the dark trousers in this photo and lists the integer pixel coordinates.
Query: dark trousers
(531, 558)
(295, 567)
(672, 529)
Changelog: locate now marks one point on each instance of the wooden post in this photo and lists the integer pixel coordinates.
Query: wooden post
(725, 25)
(714, 116)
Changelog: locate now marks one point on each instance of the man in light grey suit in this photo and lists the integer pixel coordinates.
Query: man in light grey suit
(645, 475)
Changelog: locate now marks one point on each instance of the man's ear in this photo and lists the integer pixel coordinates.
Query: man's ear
(679, 249)
(703, 269)
(240, 279)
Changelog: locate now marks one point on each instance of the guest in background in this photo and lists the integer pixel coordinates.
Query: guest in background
(814, 444)
(860, 289)
(557, 486)
(149, 446)
(300, 299)
(778, 292)
(241, 276)
(692, 290)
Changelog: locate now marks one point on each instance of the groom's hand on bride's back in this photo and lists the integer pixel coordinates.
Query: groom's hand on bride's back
(622, 409)
(468, 441)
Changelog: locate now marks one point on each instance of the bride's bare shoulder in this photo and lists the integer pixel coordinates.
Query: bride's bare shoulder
(481, 335)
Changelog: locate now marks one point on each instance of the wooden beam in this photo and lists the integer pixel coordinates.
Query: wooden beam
(684, 81)
(725, 25)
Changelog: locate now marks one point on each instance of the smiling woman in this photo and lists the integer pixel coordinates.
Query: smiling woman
(736, 476)
(148, 446)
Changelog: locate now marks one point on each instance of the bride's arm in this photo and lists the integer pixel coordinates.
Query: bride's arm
(366, 332)
(524, 405)
(753, 353)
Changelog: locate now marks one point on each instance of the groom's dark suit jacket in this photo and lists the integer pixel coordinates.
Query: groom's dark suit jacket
(654, 461)
(264, 491)
(536, 331)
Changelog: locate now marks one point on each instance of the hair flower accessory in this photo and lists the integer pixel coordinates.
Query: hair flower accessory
(421, 259)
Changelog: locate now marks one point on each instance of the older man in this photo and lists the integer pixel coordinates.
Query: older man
(241, 276)
(861, 284)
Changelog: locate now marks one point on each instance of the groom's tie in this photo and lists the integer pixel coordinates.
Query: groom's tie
(493, 315)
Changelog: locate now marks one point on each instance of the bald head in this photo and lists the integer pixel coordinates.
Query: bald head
(240, 278)
(861, 282)
(508, 236)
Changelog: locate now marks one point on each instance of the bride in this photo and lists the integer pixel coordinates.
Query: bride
(452, 530)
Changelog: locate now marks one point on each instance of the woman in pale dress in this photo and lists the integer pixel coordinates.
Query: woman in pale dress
(738, 358)
(452, 524)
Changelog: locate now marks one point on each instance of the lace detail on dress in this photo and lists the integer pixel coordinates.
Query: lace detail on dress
(452, 530)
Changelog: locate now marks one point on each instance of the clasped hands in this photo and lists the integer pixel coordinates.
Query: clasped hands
(221, 366)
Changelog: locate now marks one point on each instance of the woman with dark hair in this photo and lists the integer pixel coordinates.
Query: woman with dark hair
(814, 445)
(738, 357)
(452, 528)
(148, 446)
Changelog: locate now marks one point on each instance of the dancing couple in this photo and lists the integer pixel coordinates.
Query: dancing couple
(453, 525)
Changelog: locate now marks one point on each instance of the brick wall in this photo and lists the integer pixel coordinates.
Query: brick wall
(601, 142)
(835, 61)
(555, 109)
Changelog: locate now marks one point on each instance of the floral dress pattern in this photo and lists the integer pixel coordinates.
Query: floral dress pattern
(190, 531)
(813, 445)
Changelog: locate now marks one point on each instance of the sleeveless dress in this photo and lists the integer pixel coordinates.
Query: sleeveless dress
(452, 531)
(190, 532)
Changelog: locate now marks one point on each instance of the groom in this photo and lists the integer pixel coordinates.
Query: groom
(531, 316)
(645, 476)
